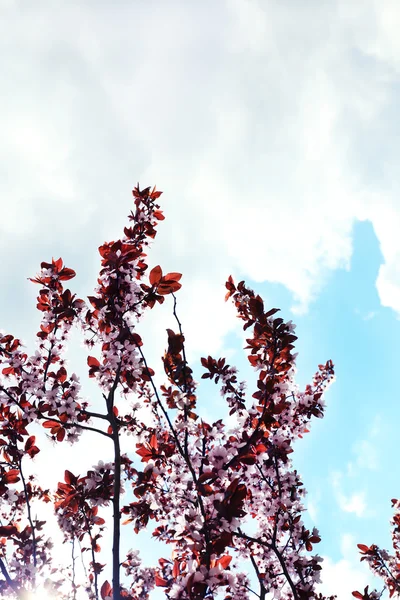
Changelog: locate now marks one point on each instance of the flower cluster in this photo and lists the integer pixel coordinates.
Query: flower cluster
(120, 298)
(38, 386)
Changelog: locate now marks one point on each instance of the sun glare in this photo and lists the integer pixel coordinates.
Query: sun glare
(40, 594)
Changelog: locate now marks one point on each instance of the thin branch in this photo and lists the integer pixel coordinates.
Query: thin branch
(96, 588)
(185, 457)
(28, 507)
(73, 569)
(40, 415)
(6, 576)
(160, 404)
(48, 361)
(95, 414)
(277, 554)
(263, 590)
(116, 486)
(286, 572)
(70, 425)
(82, 561)
(252, 591)
(185, 410)
(244, 449)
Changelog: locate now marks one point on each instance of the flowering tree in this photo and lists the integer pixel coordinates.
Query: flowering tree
(221, 497)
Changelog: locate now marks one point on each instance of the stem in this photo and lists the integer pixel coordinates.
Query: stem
(73, 570)
(95, 414)
(82, 561)
(116, 489)
(389, 572)
(28, 506)
(68, 425)
(116, 515)
(185, 410)
(6, 576)
(263, 591)
(96, 589)
(286, 572)
(160, 404)
(252, 591)
(49, 356)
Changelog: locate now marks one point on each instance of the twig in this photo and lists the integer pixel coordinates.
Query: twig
(73, 569)
(96, 589)
(28, 506)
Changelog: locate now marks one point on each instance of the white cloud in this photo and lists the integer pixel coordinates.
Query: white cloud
(261, 146)
(352, 503)
(367, 450)
(312, 509)
(366, 455)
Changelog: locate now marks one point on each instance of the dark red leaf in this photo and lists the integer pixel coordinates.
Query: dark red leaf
(160, 581)
(224, 561)
(8, 530)
(106, 590)
(69, 477)
(155, 275)
(12, 476)
(172, 277)
(92, 361)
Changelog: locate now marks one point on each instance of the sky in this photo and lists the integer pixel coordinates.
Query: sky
(271, 126)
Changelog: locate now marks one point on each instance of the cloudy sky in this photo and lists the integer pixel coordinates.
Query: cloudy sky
(271, 126)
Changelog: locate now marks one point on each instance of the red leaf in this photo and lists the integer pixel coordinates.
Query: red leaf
(50, 424)
(144, 452)
(205, 476)
(224, 561)
(66, 274)
(69, 477)
(106, 590)
(30, 447)
(230, 287)
(57, 264)
(12, 476)
(175, 569)
(363, 548)
(172, 276)
(154, 194)
(8, 530)
(248, 459)
(8, 371)
(92, 361)
(155, 275)
(60, 434)
(62, 374)
(153, 442)
(167, 288)
(160, 581)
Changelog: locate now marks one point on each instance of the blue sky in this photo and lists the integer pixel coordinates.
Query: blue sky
(272, 129)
